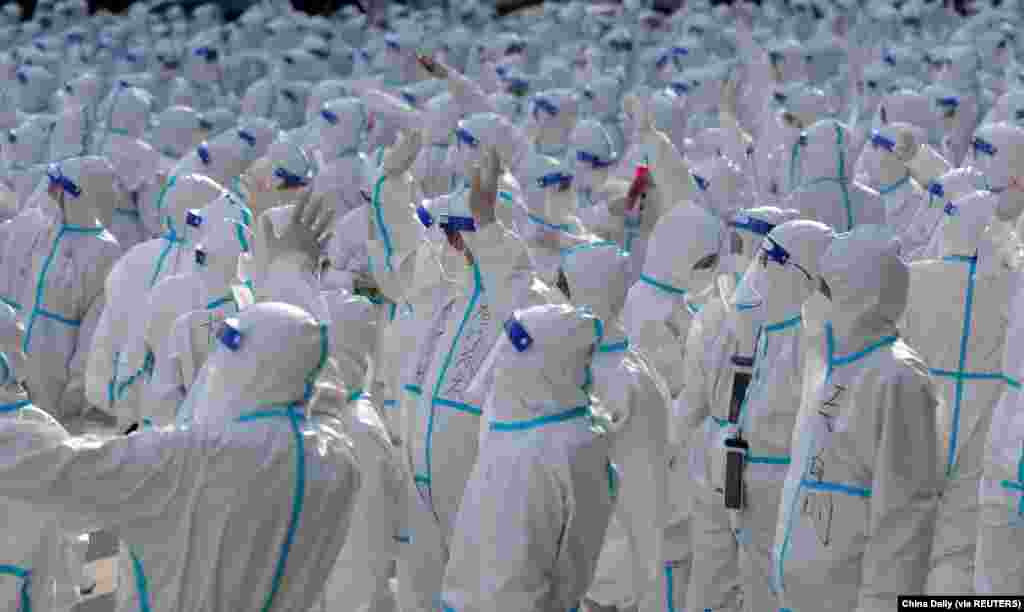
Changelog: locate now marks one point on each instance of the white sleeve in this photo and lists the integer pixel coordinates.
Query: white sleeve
(903, 494)
(92, 484)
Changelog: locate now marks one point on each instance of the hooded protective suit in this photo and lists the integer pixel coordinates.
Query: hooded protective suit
(717, 348)
(174, 132)
(537, 503)
(857, 508)
(270, 180)
(826, 192)
(209, 288)
(956, 314)
(127, 286)
(997, 568)
(340, 130)
(633, 412)
(945, 189)
(68, 274)
(882, 166)
(36, 571)
(781, 277)
(588, 159)
(360, 575)
(209, 484)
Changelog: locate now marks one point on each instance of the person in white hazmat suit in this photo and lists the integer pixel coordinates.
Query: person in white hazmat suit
(633, 413)
(824, 155)
(884, 161)
(956, 316)
(684, 249)
(209, 288)
(69, 267)
(341, 129)
(720, 351)
(857, 510)
(127, 286)
(942, 190)
(781, 277)
(537, 504)
(35, 571)
(206, 485)
(175, 131)
(997, 566)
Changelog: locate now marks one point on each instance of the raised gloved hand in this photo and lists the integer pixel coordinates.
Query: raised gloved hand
(308, 231)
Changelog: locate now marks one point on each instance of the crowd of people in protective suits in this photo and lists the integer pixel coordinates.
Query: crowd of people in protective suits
(586, 308)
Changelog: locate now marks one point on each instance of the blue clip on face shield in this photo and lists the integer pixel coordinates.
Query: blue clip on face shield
(329, 117)
(207, 53)
(229, 335)
(203, 151)
(980, 145)
(463, 136)
(57, 179)
(193, 218)
(289, 180)
(543, 104)
(517, 334)
(559, 179)
(948, 105)
(247, 137)
(594, 161)
(702, 183)
(880, 141)
(752, 225)
(200, 257)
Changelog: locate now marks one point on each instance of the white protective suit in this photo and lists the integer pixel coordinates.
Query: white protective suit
(590, 155)
(109, 374)
(882, 166)
(208, 288)
(69, 267)
(863, 464)
(684, 247)
(361, 573)
(207, 485)
(827, 193)
(538, 501)
(956, 314)
(35, 569)
(268, 182)
(174, 132)
(997, 566)
(719, 349)
(945, 189)
(340, 131)
(781, 277)
(634, 412)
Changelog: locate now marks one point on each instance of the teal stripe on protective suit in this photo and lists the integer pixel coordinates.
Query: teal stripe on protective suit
(959, 375)
(141, 584)
(15, 406)
(228, 299)
(37, 310)
(381, 227)
(669, 595)
(25, 576)
(294, 418)
(831, 487)
(171, 237)
(16, 306)
(436, 400)
(1018, 486)
(615, 347)
(575, 413)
